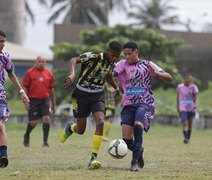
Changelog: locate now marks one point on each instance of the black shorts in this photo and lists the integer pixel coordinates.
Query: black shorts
(38, 108)
(84, 103)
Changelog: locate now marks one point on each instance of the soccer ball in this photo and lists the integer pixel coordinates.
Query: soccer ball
(117, 148)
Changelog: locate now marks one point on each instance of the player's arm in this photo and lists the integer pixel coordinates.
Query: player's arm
(53, 101)
(178, 102)
(70, 79)
(157, 71)
(196, 100)
(111, 81)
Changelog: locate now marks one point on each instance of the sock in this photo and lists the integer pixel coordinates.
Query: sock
(189, 134)
(29, 129)
(46, 127)
(3, 150)
(129, 143)
(107, 126)
(138, 135)
(97, 141)
(185, 134)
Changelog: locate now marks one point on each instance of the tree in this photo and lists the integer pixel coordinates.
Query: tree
(153, 14)
(152, 46)
(84, 11)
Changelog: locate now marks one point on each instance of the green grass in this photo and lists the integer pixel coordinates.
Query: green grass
(166, 157)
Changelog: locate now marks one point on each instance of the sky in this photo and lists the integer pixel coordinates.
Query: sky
(40, 36)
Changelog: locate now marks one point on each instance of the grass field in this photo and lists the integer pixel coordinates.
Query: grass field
(166, 157)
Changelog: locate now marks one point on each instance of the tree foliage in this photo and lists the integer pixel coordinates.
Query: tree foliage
(152, 46)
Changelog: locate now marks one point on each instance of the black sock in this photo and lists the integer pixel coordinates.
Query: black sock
(129, 143)
(189, 134)
(29, 129)
(185, 134)
(46, 127)
(3, 150)
(138, 135)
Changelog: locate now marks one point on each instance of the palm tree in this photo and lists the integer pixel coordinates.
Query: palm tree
(153, 14)
(84, 11)
(29, 10)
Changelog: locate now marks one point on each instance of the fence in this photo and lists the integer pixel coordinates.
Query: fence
(202, 122)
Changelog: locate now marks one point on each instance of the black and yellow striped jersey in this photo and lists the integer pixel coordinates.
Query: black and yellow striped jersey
(94, 69)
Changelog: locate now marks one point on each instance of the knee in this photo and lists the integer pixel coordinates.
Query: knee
(100, 122)
(2, 127)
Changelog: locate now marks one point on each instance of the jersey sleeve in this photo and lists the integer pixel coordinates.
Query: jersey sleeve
(89, 56)
(156, 67)
(119, 68)
(8, 63)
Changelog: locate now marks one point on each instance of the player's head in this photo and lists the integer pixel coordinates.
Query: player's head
(2, 40)
(40, 63)
(187, 78)
(114, 51)
(131, 52)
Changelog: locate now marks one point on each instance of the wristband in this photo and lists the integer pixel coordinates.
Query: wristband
(21, 91)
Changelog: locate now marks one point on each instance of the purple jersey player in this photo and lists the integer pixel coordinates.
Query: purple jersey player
(134, 76)
(187, 99)
(5, 64)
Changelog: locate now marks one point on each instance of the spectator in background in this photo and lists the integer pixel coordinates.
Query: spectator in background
(110, 105)
(6, 64)
(38, 83)
(187, 101)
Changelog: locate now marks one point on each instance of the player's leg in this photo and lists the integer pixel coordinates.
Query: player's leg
(34, 115)
(4, 114)
(3, 145)
(45, 113)
(98, 111)
(108, 121)
(190, 122)
(184, 122)
(81, 111)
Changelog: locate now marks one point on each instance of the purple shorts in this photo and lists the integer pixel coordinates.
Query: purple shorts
(138, 112)
(4, 111)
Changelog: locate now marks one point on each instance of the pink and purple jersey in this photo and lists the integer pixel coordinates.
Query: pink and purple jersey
(186, 97)
(135, 80)
(5, 64)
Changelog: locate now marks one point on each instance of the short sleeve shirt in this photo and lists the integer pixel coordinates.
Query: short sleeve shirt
(186, 95)
(135, 80)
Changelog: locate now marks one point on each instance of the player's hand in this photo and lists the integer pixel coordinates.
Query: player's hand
(151, 70)
(25, 100)
(53, 109)
(69, 80)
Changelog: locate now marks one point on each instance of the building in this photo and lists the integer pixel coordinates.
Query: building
(24, 58)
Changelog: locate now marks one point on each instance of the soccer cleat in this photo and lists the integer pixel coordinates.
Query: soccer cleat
(66, 132)
(134, 166)
(141, 159)
(94, 164)
(45, 144)
(26, 140)
(185, 141)
(3, 161)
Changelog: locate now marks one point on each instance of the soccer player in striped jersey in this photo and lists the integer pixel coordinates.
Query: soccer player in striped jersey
(6, 64)
(187, 101)
(88, 96)
(134, 75)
